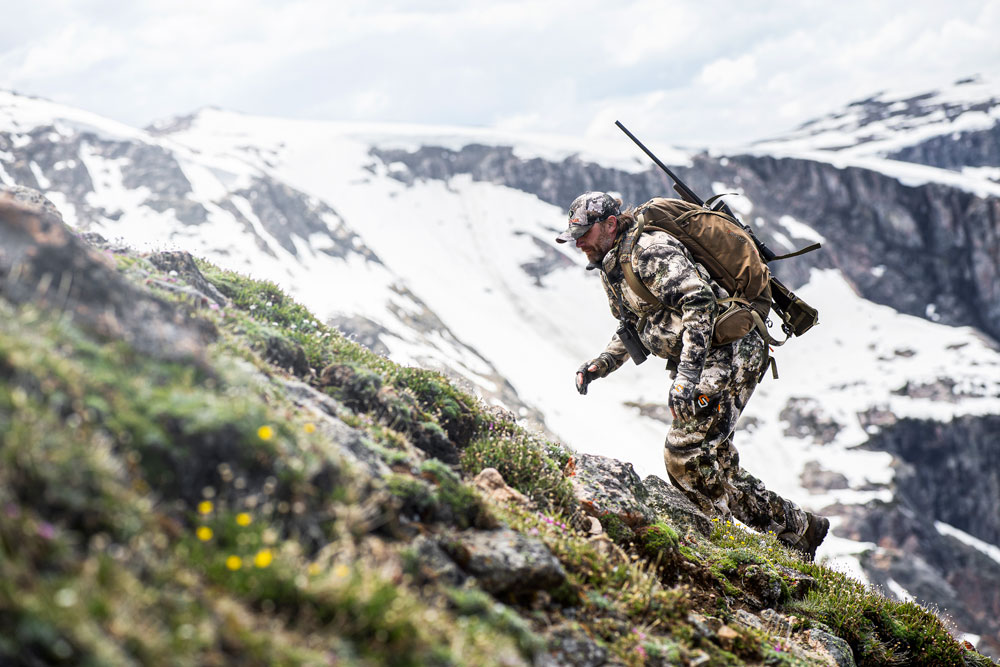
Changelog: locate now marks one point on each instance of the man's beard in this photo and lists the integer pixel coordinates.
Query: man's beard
(595, 259)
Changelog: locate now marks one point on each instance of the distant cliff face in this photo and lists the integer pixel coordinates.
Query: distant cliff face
(946, 473)
(949, 472)
(964, 149)
(930, 251)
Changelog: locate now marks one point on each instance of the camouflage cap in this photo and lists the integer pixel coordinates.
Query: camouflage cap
(587, 209)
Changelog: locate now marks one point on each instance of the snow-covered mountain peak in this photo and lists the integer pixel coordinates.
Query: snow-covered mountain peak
(229, 132)
(20, 114)
(884, 123)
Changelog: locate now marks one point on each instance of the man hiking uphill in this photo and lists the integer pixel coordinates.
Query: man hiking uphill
(711, 382)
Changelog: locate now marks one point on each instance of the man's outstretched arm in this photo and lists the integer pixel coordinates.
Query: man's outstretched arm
(611, 359)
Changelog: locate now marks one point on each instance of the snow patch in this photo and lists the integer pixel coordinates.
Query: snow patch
(984, 547)
(43, 182)
(740, 203)
(800, 230)
(901, 593)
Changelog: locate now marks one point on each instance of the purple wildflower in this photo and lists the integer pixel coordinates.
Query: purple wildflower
(46, 530)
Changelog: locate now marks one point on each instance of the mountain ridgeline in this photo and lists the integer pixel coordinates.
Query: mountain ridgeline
(192, 445)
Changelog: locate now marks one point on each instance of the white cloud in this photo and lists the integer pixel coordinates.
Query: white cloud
(368, 103)
(691, 71)
(71, 49)
(729, 73)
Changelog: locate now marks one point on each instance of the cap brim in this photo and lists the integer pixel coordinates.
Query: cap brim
(573, 233)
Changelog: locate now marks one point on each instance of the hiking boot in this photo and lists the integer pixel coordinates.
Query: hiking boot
(815, 534)
(806, 543)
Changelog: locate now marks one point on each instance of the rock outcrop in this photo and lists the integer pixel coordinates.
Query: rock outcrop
(44, 263)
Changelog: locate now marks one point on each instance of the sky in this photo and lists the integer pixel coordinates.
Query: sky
(690, 72)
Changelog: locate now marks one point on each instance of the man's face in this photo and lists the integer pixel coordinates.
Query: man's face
(598, 240)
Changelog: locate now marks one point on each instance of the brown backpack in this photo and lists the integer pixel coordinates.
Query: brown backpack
(720, 244)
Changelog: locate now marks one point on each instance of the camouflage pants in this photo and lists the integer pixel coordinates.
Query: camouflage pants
(699, 454)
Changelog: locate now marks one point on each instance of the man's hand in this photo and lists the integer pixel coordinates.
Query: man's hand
(590, 371)
(681, 400)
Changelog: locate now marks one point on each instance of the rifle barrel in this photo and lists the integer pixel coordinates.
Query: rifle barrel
(679, 185)
(687, 193)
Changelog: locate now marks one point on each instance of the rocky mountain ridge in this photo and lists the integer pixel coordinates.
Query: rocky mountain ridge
(96, 174)
(272, 216)
(953, 127)
(265, 491)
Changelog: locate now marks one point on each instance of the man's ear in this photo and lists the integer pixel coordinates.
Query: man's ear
(613, 219)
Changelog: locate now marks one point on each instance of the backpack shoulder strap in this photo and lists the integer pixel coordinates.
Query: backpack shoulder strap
(634, 281)
(628, 246)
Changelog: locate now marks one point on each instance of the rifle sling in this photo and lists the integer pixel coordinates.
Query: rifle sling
(808, 248)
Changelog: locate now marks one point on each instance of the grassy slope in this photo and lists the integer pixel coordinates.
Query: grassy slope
(160, 512)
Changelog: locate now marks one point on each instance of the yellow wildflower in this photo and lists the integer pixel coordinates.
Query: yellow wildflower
(243, 519)
(310, 427)
(234, 562)
(263, 558)
(314, 569)
(204, 533)
(265, 432)
(341, 571)
(205, 507)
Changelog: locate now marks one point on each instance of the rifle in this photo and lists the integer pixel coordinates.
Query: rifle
(797, 315)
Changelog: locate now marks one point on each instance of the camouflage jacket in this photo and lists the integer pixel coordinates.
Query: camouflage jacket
(680, 332)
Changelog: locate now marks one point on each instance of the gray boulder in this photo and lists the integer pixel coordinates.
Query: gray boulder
(505, 561)
(832, 646)
(609, 488)
(570, 646)
(666, 500)
(606, 486)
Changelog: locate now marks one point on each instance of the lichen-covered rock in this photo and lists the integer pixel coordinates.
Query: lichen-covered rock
(798, 583)
(762, 582)
(491, 482)
(607, 486)
(830, 646)
(286, 354)
(666, 500)
(748, 619)
(340, 439)
(505, 561)
(432, 564)
(611, 491)
(182, 263)
(571, 647)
